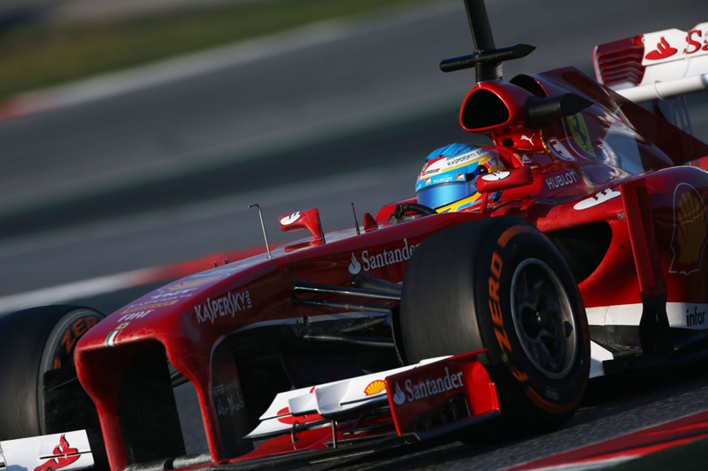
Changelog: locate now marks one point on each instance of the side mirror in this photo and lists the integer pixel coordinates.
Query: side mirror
(309, 219)
(541, 111)
(499, 181)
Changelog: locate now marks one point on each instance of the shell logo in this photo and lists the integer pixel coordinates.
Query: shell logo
(374, 387)
(690, 230)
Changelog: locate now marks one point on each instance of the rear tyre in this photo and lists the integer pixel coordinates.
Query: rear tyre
(501, 285)
(39, 389)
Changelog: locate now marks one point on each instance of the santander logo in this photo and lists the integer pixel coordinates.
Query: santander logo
(424, 388)
(673, 44)
(354, 266)
(371, 260)
(399, 398)
(379, 259)
(662, 51)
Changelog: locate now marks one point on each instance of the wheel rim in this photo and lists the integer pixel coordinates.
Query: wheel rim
(543, 318)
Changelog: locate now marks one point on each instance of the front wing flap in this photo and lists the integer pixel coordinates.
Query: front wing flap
(399, 406)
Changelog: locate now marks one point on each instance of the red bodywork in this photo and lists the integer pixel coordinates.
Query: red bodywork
(613, 168)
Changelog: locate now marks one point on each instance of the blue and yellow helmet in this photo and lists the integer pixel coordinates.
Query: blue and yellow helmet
(447, 181)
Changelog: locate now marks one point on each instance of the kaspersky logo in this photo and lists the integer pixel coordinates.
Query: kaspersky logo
(367, 261)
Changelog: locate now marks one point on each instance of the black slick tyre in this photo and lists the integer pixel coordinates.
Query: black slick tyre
(40, 392)
(501, 285)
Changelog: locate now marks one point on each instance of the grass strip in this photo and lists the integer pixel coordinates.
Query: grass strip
(42, 54)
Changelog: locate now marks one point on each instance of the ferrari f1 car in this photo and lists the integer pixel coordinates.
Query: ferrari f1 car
(572, 247)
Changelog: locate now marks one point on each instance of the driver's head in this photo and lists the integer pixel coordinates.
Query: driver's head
(447, 181)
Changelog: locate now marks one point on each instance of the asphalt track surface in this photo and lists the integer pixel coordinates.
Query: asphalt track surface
(343, 121)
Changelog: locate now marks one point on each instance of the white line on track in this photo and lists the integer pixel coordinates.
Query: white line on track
(193, 213)
(79, 289)
(244, 52)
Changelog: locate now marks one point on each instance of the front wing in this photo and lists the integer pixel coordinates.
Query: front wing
(381, 410)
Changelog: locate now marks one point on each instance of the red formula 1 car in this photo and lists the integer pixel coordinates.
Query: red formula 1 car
(571, 248)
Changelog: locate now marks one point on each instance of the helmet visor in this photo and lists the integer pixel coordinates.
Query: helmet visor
(442, 195)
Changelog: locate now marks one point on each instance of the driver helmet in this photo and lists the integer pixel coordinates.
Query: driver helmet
(447, 181)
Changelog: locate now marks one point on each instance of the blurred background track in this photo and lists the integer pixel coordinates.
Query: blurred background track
(67, 10)
(155, 165)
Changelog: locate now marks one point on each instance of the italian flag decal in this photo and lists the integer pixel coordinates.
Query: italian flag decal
(110, 340)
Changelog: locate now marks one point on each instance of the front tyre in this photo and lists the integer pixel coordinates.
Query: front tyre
(39, 389)
(500, 284)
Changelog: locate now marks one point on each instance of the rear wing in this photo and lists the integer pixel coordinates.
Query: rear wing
(655, 66)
